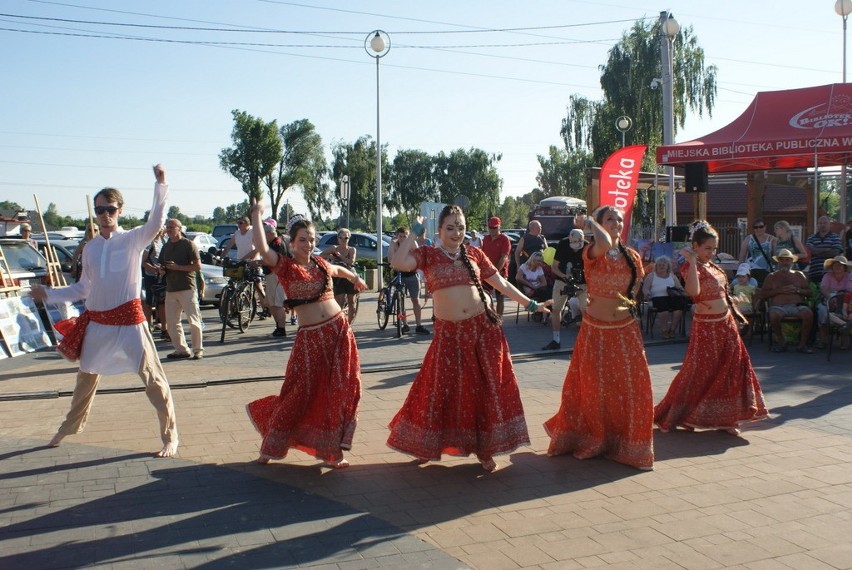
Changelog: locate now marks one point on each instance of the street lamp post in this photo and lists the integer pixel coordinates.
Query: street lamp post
(669, 29)
(843, 9)
(345, 196)
(377, 45)
(625, 123)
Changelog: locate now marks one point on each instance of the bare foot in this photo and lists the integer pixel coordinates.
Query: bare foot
(488, 464)
(57, 439)
(421, 461)
(262, 459)
(169, 450)
(733, 431)
(342, 464)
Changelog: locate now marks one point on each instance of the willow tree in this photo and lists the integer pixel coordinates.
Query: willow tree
(255, 154)
(633, 64)
(302, 165)
(358, 161)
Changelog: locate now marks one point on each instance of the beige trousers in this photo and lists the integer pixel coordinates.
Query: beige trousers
(186, 301)
(156, 388)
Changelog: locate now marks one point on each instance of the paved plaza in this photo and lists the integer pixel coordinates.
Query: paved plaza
(780, 496)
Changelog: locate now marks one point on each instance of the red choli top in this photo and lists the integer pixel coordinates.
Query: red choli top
(607, 277)
(441, 271)
(301, 283)
(712, 282)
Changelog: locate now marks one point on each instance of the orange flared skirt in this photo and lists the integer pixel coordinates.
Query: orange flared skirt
(716, 387)
(317, 408)
(465, 399)
(607, 403)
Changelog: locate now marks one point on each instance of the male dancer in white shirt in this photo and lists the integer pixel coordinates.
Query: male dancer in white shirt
(112, 336)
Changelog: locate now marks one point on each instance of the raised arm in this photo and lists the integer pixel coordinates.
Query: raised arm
(602, 242)
(403, 260)
(258, 235)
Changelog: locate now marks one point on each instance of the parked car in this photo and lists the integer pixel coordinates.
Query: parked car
(64, 249)
(27, 267)
(205, 243)
(214, 283)
(221, 232)
(364, 244)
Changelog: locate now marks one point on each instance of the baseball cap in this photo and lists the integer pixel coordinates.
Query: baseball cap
(494, 222)
(744, 269)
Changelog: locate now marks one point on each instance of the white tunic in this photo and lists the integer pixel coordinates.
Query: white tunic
(245, 245)
(112, 276)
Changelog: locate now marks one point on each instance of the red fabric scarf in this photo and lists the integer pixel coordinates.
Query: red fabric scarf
(74, 329)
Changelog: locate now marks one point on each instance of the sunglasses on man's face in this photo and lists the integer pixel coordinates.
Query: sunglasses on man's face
(105, 209)
(760, 227)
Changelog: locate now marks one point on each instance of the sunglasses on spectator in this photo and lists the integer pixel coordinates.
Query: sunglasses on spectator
(105, 209)
(757, 227)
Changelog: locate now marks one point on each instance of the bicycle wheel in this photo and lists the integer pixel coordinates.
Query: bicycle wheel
(245, 301)
(356, 303)
(399, 311)
(381, 310)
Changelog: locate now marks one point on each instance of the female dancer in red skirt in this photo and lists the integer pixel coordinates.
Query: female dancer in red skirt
(607, 402)
(465, 398)
(317, 408)
(716, 388)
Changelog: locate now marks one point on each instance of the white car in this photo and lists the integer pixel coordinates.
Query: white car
(214, 283)
(204, 242)
(365, 245)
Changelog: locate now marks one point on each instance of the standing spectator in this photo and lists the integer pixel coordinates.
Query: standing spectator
(153, 283)
(716, 387)
(567, 268)
(275, 295)
(246, 252)
(316, 409)
(179, 258)
(786, 291)
(343, 254)
(497, 248)
(77, 260)
(26, 233)
(475, 240)
(411, 282)
(111, 336)
(824, 244)
(847, 238)
(756, 250)
(786, 239)
(531, 241)
(465, 397)
(607, 406)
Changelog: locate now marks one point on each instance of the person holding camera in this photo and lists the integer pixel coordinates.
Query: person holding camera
(567, 268)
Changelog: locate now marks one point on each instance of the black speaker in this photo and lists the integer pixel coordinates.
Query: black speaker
(677, 234)
(695, 176)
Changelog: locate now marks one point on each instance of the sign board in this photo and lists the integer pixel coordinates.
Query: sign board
(21, 327)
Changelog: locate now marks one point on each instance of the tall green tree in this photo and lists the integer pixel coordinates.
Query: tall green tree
(633, 63)
(256, 152)
(563, 173)
(302, 164)
(8, 206)
(471, 173)
(412, 182)
(358, 161)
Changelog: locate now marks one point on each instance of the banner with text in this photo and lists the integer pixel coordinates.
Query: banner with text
(619, 178)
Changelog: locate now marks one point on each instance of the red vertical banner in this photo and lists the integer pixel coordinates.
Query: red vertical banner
(619, 178)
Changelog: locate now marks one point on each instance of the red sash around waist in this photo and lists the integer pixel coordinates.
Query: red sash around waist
(74, 329)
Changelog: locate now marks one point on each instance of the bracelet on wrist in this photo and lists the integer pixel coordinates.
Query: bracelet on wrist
(533, 306)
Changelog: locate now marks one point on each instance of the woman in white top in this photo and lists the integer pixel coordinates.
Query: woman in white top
(657, 287)
(531, 277)
(756, 250)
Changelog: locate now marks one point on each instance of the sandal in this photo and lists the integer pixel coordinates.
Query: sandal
(779, 348)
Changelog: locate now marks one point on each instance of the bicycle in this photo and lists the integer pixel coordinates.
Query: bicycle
(238, 305)
(391, 303)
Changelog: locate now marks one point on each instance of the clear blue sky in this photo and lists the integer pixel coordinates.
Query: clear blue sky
(83, 109)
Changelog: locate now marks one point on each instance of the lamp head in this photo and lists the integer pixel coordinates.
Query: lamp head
(672, 27)
(843, 7)
(377, 44)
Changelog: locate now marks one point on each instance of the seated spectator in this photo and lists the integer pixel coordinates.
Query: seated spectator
(744, 288)
(666, 294)
(836, 281)
(786, 291)
(532, 278)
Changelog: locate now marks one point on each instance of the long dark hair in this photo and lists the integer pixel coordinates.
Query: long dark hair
(454, 210)
(631, 263)
(699, 232)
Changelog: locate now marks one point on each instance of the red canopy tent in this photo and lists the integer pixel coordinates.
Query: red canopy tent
(797, 128)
